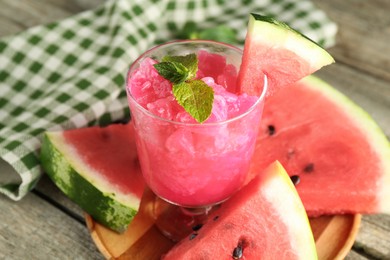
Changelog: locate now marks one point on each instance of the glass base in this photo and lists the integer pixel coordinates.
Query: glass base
(177, 222)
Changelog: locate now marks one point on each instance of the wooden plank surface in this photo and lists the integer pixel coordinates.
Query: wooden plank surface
(34, 229)
(374, 236)
(364, 34)
(362, 54)
(47, 225)
(16, 16)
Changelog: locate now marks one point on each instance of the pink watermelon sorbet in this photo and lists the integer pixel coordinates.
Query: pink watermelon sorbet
(182, 161)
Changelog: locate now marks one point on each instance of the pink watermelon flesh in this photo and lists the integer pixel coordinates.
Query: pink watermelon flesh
(339, 167)
(110, 151)
(251, 79)
(274, 49)
(264, 220)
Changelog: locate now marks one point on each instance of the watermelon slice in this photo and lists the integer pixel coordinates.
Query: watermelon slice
(335, 149)
(284, 55)
(264, 220)
(98, 169)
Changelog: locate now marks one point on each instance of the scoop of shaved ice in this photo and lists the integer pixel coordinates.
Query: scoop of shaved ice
(154, 93)
(166, 107)
(210, 64)
(226, 104)
(228, 78)
(147, 85)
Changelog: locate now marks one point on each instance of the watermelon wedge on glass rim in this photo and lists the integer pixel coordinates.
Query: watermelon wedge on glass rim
(274, 49)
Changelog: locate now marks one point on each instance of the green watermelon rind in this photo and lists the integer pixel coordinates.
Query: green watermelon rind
(368, 127)
(298, 224)
(103, 206)
(281, 35)
(271, 20)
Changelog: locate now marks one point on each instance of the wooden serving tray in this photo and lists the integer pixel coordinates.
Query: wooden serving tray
(334, 236)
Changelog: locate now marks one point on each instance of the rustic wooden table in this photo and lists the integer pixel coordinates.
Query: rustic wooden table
(46, 225)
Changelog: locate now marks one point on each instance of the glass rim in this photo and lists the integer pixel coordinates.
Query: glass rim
(260, 99)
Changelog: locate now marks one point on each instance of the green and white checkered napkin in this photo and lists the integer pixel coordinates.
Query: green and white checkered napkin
(71, 73)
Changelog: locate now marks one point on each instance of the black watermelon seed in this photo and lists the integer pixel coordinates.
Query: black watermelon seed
(193, 235)
(215, 218)
(271, 129)
(197, 227)
(295, 179)
(238, 252)
(309, 168)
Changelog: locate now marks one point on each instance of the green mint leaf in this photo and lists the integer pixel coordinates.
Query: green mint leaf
(196, 97)
(189, 61)
(175, 72)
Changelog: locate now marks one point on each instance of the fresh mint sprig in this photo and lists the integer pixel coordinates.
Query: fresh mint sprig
(175, 72)
(195, 96)
(189, 61)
